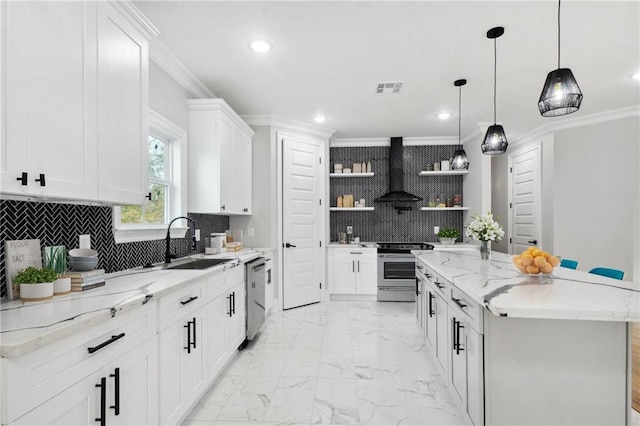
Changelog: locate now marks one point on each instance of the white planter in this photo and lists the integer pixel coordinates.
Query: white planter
(447, 241)
(62, 286)
(40, 291)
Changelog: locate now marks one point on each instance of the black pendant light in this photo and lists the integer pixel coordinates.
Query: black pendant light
(561, 94)
(460, 160)
(495, 140)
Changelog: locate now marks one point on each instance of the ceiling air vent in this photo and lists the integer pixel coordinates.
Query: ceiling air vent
(389, 87)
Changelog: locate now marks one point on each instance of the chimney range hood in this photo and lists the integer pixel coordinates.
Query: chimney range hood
(396, 177)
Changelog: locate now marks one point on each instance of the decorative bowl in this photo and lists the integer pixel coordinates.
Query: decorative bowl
(83, 264)
(82, 253)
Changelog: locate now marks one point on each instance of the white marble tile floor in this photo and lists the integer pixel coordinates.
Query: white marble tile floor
(333, 363)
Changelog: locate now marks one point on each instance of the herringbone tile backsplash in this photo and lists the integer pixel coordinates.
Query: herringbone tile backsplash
(384, 223)
(61, 224)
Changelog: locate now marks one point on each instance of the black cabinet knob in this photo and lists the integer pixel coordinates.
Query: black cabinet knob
(42, 180)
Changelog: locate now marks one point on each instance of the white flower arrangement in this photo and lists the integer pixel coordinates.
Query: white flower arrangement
(484, 228)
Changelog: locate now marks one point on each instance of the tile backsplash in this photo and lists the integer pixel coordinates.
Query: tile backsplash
(384, 223)
(60, 224)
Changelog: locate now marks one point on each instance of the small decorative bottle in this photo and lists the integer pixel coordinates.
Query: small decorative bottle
(369, 167)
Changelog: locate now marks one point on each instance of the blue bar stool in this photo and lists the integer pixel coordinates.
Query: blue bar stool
(608, 272)
(568, 263)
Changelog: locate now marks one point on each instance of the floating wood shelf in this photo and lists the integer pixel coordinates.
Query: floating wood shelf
(443, 209)
(348, 175)
(443, 173)
(351, 209)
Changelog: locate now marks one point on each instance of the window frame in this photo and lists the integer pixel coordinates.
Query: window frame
(177, 205)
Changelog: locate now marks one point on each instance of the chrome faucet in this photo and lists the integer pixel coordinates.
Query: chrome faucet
(167, 253)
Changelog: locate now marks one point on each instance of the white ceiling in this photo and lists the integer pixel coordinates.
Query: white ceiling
(328, 57)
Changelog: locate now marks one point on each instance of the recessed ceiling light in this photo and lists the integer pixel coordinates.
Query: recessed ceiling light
(637, 76)
(319, 118)
(444, 115)
(260, 46)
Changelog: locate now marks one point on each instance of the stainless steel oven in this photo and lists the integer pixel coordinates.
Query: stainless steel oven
(397, 271)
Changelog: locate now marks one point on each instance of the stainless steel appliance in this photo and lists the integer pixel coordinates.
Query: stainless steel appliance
(256, 283)
(397, 271)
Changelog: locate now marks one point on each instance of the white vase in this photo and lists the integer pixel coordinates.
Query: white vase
(39, 291)
(62, 286)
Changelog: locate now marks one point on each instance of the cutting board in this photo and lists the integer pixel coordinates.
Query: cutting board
(19, 255)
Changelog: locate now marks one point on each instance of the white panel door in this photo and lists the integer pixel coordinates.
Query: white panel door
(524, 199)
(302, 222)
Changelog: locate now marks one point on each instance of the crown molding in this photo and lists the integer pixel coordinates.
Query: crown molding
(408, 141)
(165, 59)
(257, 120)
(569, 123)
(137, 17)
(217, 104)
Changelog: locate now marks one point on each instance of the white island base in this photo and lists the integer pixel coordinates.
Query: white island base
(551, 372)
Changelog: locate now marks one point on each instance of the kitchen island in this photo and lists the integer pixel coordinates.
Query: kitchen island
(528, 350)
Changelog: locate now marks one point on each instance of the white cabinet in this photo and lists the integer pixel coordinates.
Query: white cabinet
(73, 108)
(123, 109)
(353, 270)
(236, 332)
(57, 384)
(182, 352)
(220, 159)
(50, 112)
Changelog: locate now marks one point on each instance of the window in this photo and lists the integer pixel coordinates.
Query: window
(167, 175)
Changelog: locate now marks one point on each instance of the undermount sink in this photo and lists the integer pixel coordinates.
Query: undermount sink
(199, 264)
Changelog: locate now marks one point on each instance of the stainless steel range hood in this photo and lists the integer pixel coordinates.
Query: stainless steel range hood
(396, 176)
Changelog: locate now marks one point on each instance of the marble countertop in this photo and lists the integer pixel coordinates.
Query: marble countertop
(27, 326)
(565, 294)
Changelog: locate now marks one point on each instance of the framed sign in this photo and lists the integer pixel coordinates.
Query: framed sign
(19, 255)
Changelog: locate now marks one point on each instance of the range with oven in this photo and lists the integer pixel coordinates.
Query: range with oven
(397, 270)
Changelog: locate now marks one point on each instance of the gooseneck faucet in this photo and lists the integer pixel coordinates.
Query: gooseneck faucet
(167, 253)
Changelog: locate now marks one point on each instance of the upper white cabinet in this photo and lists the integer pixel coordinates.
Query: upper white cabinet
(76, 93)
(220, 160)
(123, 109)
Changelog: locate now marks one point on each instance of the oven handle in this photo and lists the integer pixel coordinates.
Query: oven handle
(396, 288)
(397, 255)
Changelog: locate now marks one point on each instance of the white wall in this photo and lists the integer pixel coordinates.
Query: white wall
(477, 184)
(500, 197)
(595, 192)
(167, 97)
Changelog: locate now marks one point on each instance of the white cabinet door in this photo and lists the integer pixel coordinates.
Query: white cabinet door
(458, 368)
(77, 405)
(367, 271)
(475, 376)
(419, 305)
(225, 132)
(442, 332)
(344, 273)
(236, 331)
(431, 318)
(217, 316)
(50, 100)
(132, 390)
(123, 104)
(182, 364)
(242, 161)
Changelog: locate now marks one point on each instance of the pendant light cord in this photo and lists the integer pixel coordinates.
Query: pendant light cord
(559, 33)
(495, 78)
(459, 113)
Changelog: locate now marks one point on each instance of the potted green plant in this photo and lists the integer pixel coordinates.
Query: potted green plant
(36, 283)
(56, 260)
(448, 236)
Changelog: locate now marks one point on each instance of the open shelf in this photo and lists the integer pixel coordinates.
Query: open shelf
(348, 175)
(351, 209)
(443, 173)
(443, 209)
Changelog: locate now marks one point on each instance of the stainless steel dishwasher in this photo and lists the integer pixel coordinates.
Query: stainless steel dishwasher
(255, 274)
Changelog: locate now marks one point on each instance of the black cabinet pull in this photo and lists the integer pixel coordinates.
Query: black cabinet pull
(148, 196)
(223, 207)
(23, 179)
(417, 291)
(188, 327)
(103, 344)
(233, 303)
(453, 332)
(440, 286)
(459, 303)
(353, 266)
(229, 299)
(103, 402)
(116, 391)
(458, 327)
(191, 299)
(431, 311)
(358, 266)
(419, 267)
(287, 245)
(194, 333)
(42, 181)
(534, 242)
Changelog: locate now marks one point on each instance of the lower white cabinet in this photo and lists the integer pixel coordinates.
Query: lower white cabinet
(122, 391)
(182, 366)
(353, 270)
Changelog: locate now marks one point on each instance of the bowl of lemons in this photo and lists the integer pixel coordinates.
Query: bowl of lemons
(534, 261)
